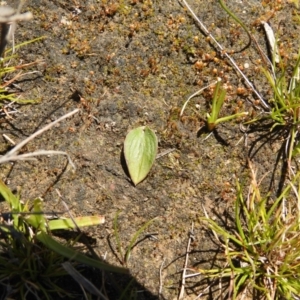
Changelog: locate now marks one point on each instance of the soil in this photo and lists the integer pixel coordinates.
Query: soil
(130, 63)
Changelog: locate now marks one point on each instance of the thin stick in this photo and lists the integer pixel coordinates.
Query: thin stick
(6, 112)
(160, 278)
(20, 74)
(12, 153)
(8, 19)
(31, 156)
(191, 236)
(8, 139)
(103, 277)
(208, 136)
(193, 275)
(207, 33)
(195, 94)
(206, 289)
(17, 17)
(165, 152)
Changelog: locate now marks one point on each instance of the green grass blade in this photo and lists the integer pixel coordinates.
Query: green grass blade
(25, 43)
(37, 219)
(215, 103)
(238, 283)
(9, 197)
(228, 118)
(79, 221)
(12, 200)
(117, 236)
(134, 239)
(239, 202)
(279, 99)
(70, 253)
(220, 231)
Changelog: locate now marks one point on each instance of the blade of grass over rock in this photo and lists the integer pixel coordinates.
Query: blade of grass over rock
(217, 103)
(117, 236)
(24, 44)
(70, 253)
(37, 219)
(80, 222)
(12, 200)
(9, 197)
(134, 239)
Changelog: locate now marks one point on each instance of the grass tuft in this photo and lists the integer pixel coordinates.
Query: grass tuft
(6, 68)
(263, 251)
(285, 102)
(31, 258)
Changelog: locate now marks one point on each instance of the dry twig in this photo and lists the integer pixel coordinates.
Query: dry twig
(12, 154)
(191, 237)
(222, 50)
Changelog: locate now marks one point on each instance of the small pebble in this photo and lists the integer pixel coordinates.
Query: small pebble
(246, 65)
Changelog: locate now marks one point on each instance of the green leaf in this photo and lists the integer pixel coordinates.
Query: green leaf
(140, 148)
(9, 197)
(37, 219)
(12, 200)
(80, 222)
(296, 150)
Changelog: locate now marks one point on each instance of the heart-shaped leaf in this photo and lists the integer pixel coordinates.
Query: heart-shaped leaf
(140, 148)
